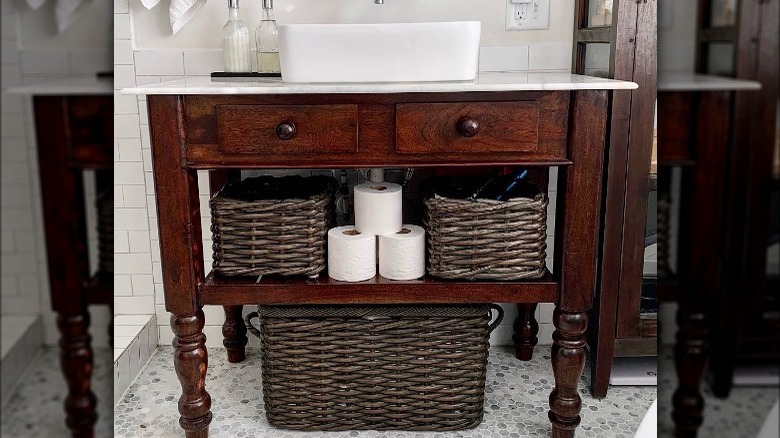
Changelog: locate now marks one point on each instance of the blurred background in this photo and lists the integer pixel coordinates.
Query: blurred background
(718, 266)
(53, 48)
(705, 301)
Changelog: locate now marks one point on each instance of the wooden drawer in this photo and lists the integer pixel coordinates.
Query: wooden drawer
(407, 130)
(467, 127)
(287, 129)
(90, 130)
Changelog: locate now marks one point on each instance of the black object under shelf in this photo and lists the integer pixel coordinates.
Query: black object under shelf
(649, 303)
(249, 74)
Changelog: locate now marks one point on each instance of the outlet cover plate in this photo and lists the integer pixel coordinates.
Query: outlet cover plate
(537, 16)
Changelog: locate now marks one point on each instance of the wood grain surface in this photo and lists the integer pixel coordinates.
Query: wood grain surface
(319, 129)
(424, 128)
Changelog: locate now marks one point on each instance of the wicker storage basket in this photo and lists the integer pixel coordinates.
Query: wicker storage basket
(265, 226)
(486, 239)
(105, 226)
(374, 367)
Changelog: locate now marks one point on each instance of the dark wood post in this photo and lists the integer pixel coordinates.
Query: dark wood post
(66, 249)
(181, 249)
(526, 330)
(576, 250)
(700, 250)
(234, 329)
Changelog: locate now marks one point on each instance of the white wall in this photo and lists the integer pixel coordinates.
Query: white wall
(38, 30)
(31, 52)
(677, 37)
(204, 31)
(147, 52)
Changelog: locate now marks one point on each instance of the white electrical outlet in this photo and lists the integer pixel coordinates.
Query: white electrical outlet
(527, 14)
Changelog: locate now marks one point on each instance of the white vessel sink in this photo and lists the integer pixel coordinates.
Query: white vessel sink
(390, 52)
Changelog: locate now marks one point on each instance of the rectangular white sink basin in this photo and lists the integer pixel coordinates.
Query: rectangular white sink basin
(390, 52)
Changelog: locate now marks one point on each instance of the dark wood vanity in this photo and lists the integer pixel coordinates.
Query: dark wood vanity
(206, 126)
(695, 122)
(75, 132)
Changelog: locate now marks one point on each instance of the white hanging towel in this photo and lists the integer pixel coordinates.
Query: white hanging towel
(66, 11)
(180, 12)
(149, 4)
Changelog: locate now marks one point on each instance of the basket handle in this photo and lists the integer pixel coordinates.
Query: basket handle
(252, 329)
(499, 316)
(493, 325)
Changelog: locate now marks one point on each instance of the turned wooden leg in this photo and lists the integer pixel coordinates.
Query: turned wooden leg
(568, 361)
(191, 362)
(234, 331)
(76, 362)
(690, 361)
(526, 328)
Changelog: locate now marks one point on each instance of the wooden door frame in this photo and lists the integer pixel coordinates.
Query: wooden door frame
(632, 40)
(756, 42)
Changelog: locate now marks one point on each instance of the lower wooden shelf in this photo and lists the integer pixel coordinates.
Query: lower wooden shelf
(228, 291)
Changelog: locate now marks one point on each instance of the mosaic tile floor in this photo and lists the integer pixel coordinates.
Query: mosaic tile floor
(739, 416)
(35, 407)
(515, 405)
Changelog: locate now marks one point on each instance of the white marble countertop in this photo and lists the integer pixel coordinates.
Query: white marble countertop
(76, 85)
(492, 81)
(696, 82)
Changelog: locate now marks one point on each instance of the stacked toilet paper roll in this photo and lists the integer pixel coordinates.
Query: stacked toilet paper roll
(378, 235)
(378, 208)
(402, 254)
(351, 254)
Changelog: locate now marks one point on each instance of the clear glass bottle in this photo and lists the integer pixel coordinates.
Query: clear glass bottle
(267, 35)
(235, 42)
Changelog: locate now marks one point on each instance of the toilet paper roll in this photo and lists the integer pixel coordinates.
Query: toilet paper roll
(402, 254)
(378, 208)
(351, 254)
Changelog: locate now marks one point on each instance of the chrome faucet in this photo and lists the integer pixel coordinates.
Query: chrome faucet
(379, 2)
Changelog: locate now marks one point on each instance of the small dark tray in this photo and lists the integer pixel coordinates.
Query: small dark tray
(250, 74)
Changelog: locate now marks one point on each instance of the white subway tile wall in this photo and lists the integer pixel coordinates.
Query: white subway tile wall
(135, 341)
(159, 62)
(138, 262)
(503, 58)
(550, 56)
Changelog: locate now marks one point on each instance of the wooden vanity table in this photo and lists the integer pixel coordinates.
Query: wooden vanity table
(694, 132)
(536, 120)
(75, 132)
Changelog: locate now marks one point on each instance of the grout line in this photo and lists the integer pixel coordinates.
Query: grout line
(22, 376)
(155, 352)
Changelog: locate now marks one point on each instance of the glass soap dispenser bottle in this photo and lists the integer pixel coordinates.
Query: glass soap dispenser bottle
(267, 35)
(235, 42)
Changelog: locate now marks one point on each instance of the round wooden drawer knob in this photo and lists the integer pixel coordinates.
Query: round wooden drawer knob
(285, 131)
(468, 127)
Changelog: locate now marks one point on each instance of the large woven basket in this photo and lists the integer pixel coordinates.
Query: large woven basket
(486, 239)
(374, 367)
(254, 237)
